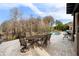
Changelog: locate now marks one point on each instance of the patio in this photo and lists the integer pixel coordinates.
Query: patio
(57, 47)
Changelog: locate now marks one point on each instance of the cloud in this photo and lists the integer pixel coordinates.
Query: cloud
(57, 10)
(33, 8)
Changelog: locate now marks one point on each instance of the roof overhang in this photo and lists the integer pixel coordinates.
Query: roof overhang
(72, 8)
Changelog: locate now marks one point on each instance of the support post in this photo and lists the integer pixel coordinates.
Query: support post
(77, 31)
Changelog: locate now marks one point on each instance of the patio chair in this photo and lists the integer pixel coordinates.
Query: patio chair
(67, 35)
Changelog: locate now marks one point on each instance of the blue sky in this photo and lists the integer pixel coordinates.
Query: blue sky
(57, 10)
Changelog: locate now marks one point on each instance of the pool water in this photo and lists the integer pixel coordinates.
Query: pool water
(56, 33)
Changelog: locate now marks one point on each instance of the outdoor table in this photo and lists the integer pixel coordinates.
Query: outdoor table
(38, 40)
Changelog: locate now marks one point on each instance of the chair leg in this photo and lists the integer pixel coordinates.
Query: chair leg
(23, 50)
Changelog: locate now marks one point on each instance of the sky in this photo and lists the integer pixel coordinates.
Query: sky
(56, 10)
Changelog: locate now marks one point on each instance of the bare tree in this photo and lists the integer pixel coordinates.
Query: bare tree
(16, 15)
(48, 20)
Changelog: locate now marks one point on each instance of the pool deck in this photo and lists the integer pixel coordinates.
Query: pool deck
(57, 47)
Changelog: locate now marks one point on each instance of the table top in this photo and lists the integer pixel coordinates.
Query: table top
(35, 37)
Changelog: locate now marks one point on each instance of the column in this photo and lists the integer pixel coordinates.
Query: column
(73, 29)
(77, 31)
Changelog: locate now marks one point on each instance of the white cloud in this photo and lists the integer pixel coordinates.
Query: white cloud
(60, 13)
(33, 8)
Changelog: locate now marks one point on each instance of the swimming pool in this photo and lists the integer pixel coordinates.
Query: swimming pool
(56, 33)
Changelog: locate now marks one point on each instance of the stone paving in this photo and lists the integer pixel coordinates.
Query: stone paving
(57, 47)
